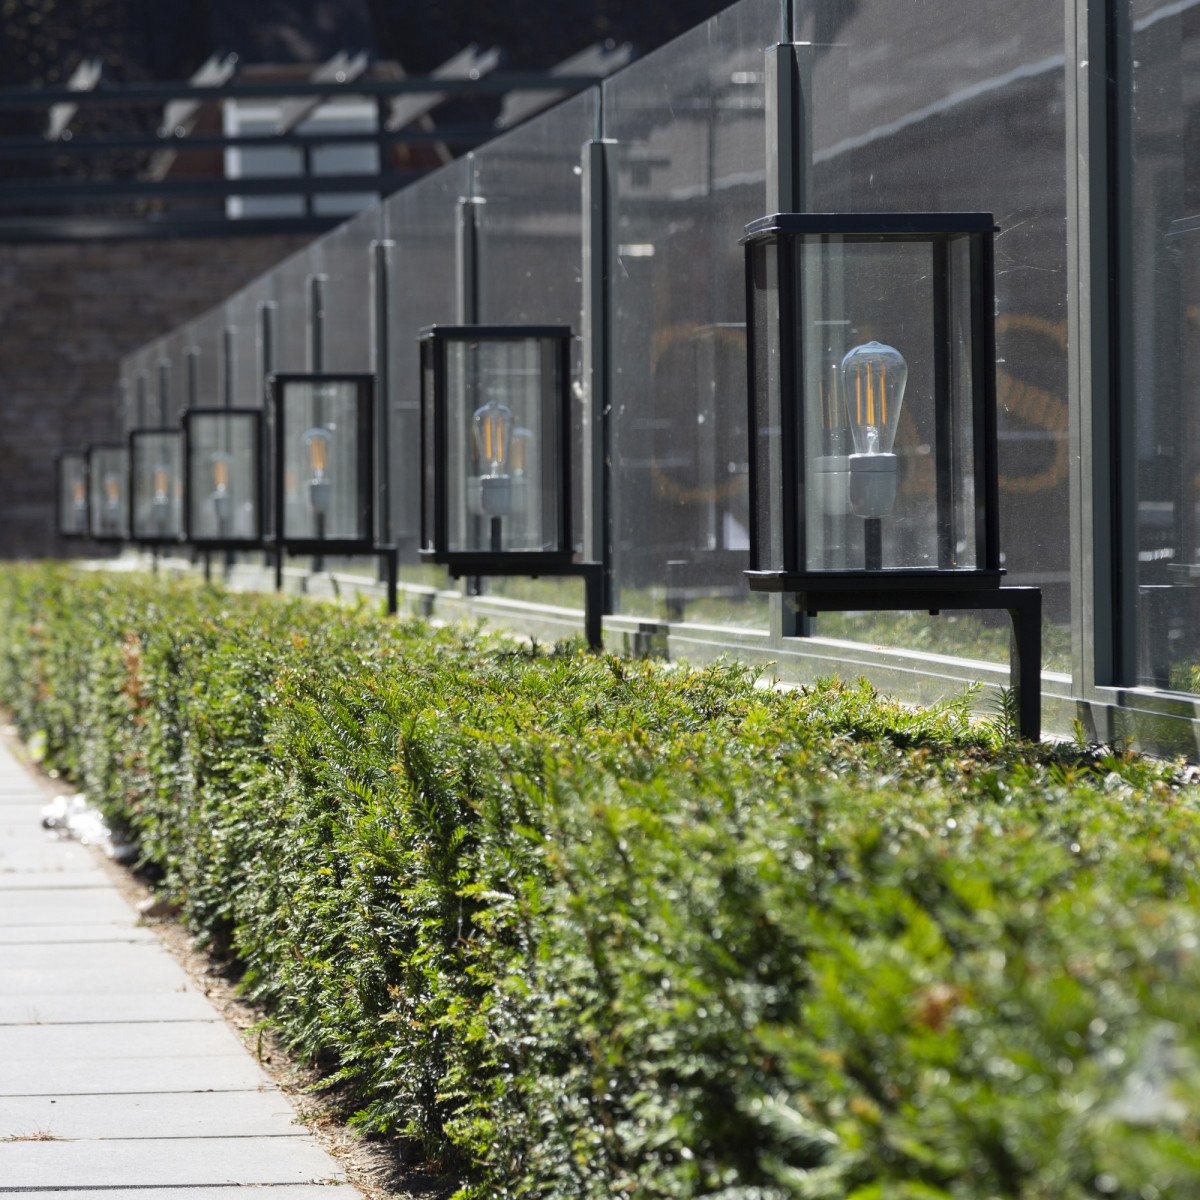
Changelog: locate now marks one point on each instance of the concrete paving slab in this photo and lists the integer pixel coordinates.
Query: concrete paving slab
(94, 969)
(95, 878)
(114, 1076)
(117, 1040)
(154, 1115)
(58, 1008)
(165, 1162)
(69, 935)
(32, 906)
(26, 856)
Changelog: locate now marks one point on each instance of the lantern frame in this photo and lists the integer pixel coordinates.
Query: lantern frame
(276, 387)
(938, 231)
(110, 538)
(876, 587)
(72, 534)
(433, 344)
(256, 539)
(143, 539)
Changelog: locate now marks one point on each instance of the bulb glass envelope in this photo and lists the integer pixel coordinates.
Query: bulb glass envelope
(872, 410)
(322, 472)
(223, 478)
(495, 465)
(108, 491)
(156, 486)
(71, 494)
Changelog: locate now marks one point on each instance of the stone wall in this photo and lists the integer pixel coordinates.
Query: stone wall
(67, 315)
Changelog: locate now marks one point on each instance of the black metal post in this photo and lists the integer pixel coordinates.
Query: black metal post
(1025, 657)
(389, 563)
(496, 536)
(873, 544)
(593, 604)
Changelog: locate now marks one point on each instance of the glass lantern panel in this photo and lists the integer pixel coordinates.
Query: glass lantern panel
(322, 461)
(504, 488)
(157, 485)
(108, 481)
(72, 495)
(768, 422)
(223, 476)
(885, 456)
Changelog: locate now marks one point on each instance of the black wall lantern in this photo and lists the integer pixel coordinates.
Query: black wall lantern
(495, 455)
(872, 415)
(71, 494)
(108, 491)
(155, 486)
(323, 474)
(223, 478)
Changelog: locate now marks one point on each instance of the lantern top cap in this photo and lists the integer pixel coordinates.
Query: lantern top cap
(912, 224)
(202, 410)
(499, 332)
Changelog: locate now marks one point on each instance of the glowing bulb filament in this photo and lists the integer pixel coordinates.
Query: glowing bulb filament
(112, 491)
(161, 485)
(493, 423)
(221, 474)
(77, 494)
(317, 442)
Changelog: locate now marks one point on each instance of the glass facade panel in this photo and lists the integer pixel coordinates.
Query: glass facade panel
(421, 224)
(343, 259)
(962, 110)
(156, 476)
(1163, 322)
(529, 235)
(689, 172)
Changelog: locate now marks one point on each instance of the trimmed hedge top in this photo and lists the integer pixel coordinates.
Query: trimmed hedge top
(589, 927)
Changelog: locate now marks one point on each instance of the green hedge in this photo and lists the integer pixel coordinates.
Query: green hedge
(588, 927)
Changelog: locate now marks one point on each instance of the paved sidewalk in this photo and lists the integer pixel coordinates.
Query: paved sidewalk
(118, 1079)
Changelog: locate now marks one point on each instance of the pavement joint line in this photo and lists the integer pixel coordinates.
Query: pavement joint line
(127, 1021)
(262, 1090)
(153, 1137)
(163, 1187)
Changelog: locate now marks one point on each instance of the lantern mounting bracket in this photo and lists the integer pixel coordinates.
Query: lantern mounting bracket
(1024, 608)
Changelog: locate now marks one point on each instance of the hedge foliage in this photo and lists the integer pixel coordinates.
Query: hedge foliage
(590, 927)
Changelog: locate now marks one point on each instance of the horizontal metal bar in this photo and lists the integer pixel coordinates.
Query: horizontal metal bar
(159, 93)
(287, 185)
(454, 135)
(78, 228)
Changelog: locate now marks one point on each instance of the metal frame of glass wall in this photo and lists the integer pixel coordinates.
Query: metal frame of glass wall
(772, 106)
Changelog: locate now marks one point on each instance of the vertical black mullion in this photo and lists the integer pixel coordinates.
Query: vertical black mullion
(276, 407)
(185, 465)
(423, 433)
(566, 542)
(752, 402)
(943, 401)
(366, 450)
(440, 438)
(983, 383)
(791, 433)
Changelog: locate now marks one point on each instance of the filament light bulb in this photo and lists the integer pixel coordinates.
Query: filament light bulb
(873, 378)
(320, 489)
(317, 443)
(78, 494)
(493, 430)
(162, 485)
(220, 473)
(112, 491)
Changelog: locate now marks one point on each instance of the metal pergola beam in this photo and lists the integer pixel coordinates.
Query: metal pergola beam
(494, 84)
(20, 147)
